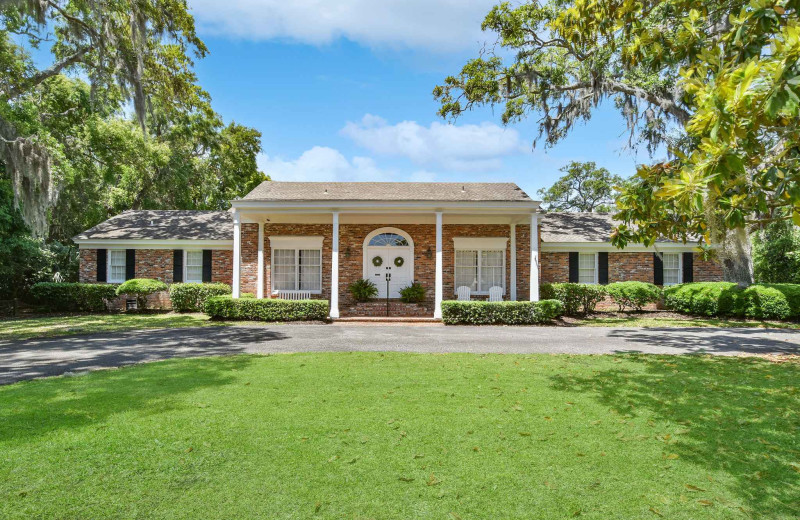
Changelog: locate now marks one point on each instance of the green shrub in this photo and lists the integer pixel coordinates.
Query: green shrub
(633, 295)
(508, 312)
(762, 301)
(362, 290)
(141, 288)
(414, 293)
(192, 296)
(60, 297)
(272, 309)
(576, 297)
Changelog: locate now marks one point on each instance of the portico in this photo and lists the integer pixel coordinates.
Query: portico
(281, 243)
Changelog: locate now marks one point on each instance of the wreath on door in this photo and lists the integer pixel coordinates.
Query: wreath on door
(399, 261)
(377, 261)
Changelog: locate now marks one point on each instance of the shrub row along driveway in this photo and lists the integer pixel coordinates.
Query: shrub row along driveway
(28, 359)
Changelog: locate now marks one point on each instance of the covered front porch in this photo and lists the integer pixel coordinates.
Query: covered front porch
(318, 252)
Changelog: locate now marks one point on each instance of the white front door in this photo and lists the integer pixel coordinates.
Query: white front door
(400, 276)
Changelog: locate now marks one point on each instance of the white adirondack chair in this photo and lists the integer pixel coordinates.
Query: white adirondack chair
(294, 295)
(495, 294)
(463, 293)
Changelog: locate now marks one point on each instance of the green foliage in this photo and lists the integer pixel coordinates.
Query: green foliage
(577, 298)
(192, 296)
(633, 295)
(141, 288)
(271, 309)
(362, 290)
(776, 254)
(72, 297)
(507, 312)
(585, 187)
(413, 293)
(763, 301)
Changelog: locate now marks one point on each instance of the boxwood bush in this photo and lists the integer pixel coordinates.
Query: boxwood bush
(633, 295)
(577, 297)
(61, 297)
(141, 288)
(508, 313)
(271, 309)
(761, 301)
(192, 296)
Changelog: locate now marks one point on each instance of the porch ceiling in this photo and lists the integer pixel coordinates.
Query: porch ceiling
(385, 218)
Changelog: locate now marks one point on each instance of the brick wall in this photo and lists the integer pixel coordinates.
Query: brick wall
(630, 267)
(154, 263)
(554, 267)
(249, 259)
(87, 266)
(705, 270)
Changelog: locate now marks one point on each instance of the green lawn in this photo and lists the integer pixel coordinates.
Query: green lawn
(371, 435)
(25, 328)
(643, 320)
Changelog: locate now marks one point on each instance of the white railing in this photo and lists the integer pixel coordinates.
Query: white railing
(294, 295)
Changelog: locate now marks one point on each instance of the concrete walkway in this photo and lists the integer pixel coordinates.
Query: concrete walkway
(27, 359)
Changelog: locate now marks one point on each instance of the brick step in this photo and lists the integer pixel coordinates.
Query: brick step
(397, 308)
(386, 319)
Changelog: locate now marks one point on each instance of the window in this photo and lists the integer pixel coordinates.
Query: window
(194, 267)
(116, 266)
(297, 270)
(587, 264)
(672, 268)
(388, 239)
(480, 269)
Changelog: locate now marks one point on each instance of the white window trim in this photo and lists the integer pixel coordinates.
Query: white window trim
(108, 265)
(296, 266)
(480, 262)
(295, 242)
(186, 265)
(596, 267)
(680, 268)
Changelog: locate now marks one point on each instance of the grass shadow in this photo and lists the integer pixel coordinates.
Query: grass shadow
(740, 416)
(35, 408)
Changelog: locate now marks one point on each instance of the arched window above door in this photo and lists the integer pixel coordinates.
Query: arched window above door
(388, 239)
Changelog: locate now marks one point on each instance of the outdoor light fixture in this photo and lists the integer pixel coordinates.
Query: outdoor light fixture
(429, 253)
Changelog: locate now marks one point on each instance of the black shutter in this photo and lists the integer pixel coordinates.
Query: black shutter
(206, 265)
(177, 265)
(573, 268)
(688, 264)
(658, 270)
(130, 264)
(602, 268)
(102, 265)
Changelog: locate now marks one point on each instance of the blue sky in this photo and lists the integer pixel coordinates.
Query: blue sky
(341, 90)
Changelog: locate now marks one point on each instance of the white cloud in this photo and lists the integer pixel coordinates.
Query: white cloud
(321, 163)
(454, 147)
(438, 25)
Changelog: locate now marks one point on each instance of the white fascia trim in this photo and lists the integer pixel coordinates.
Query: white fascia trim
(383, 205)
(480, 242)
(606, 247)
(295, 242)
(153, 244)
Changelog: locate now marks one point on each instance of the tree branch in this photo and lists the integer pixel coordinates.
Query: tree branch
(667, 105)
(49, 72)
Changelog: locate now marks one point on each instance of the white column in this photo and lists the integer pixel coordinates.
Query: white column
(437, 309)
(237, 252)
(513, 275)
(534, 282)
(260, 288)
(334, 313)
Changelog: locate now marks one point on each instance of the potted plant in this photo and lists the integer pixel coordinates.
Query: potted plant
(362, 290)
(413, 293)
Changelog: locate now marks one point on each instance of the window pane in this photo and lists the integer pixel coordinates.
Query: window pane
(283, 270)
(672, 271)
(466, 273)
(117, 261)
(586, 263)
(388, 239)
(491, 269)
(310, 269)
(194, 266)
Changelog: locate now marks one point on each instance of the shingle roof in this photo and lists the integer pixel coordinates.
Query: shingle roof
(163, 225)
(389, 191)
(579, 227)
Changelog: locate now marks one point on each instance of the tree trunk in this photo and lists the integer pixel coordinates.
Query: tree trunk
(735, 255)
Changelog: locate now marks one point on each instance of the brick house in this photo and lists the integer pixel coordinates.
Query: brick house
(307, 237)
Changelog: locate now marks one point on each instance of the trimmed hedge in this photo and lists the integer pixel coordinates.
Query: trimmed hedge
(508, 313)
(273, 309)
(141, 288)
(85, 297)
(761, 301)
(192, 296)
(578, 298)
(633, 295)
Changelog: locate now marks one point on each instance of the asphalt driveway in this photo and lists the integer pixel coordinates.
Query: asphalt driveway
(27, 359)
